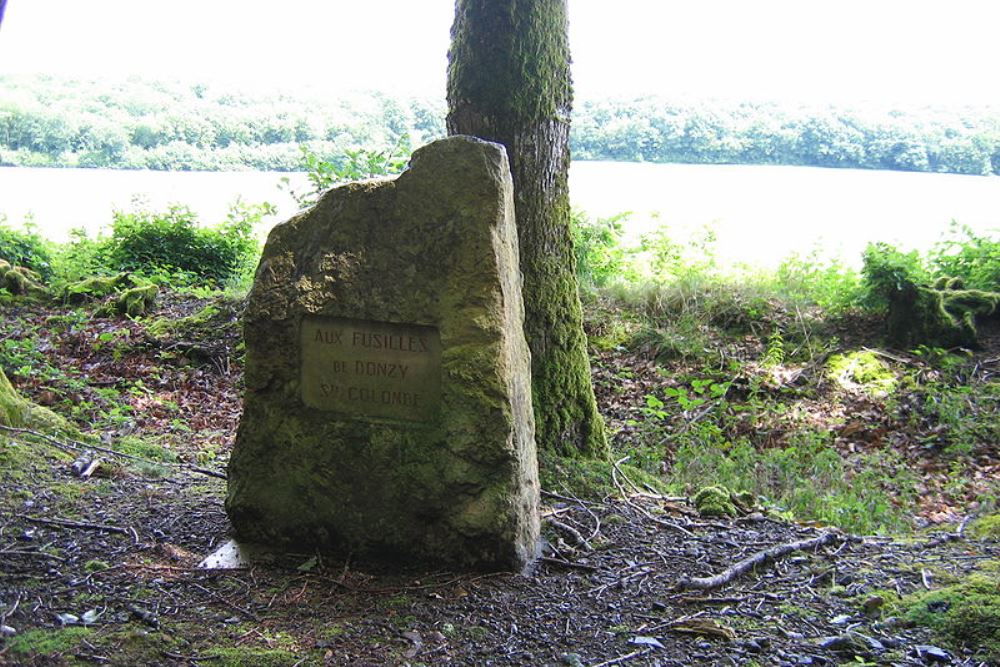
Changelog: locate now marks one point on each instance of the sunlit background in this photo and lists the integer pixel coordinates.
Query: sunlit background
(856, 52)
(911, 51)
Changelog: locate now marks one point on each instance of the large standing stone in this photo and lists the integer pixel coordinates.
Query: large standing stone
(388, 406)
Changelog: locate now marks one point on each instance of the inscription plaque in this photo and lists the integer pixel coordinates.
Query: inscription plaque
(371, 369)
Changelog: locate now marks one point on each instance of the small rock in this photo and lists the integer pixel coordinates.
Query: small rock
(933, 654)
(873, 604)
(437, 637)
(846, 643)
(843, 619)
(646, 641)
(753, 646)
(804, 660)
(571, 659)
(875, 644)
(7, 631)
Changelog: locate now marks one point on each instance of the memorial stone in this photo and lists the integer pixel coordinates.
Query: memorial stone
(388, 404)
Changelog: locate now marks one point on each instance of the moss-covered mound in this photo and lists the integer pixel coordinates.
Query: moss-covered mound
(20, 280)
(17, 412)
(123, 294)
(966, 613)
(942, 316)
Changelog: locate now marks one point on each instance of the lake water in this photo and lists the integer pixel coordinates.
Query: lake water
(759, 213)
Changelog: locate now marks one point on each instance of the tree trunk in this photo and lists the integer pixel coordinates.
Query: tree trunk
(509, 82)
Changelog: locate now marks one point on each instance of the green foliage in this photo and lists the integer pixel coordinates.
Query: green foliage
(350, 165)
(25, 247)
(986, 527)
(50, 644)
(959, 417)
(807, 478)
(862, 371)
(714, 501)
(145, 124)
(817, 280)
(969, 257)
(887, 272)
(651, 129)
(600, 256)
(170, 246)
(140, 123)
(589, 478)
(966, 613)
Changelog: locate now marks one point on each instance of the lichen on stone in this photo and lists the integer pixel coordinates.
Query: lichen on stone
(434, 254)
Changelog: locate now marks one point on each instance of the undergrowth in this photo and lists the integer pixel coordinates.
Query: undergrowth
(760, 387)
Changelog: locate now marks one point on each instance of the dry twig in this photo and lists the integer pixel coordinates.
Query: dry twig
(759, 558)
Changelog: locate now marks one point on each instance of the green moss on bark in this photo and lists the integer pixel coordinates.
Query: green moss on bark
(18, 412)
(509, 82)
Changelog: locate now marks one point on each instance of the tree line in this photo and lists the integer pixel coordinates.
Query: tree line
(140, 124)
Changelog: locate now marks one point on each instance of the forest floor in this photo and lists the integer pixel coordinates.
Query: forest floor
(102, 568)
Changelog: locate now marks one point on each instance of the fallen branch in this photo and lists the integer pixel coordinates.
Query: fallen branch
(759, 558)
(615, 471)
(580, 540)
(82, 447)
(66, 523)
(622, 658)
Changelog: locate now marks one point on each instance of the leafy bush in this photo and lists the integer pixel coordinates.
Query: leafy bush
(600, 255)
(823, 281)
(888, 271)
(973, 259)
(325, 172)
(171, 243)
(25, 247)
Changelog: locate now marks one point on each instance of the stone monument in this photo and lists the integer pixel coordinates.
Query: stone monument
(388, 403)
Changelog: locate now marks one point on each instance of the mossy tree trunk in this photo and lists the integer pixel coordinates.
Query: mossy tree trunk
(509, 82)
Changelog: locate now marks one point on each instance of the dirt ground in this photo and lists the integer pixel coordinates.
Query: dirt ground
(102, 569)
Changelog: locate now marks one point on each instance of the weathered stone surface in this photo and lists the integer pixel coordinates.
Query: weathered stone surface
(388, 402)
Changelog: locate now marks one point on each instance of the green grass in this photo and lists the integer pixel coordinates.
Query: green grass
(47, 643)
(807, 479)
(965, 614)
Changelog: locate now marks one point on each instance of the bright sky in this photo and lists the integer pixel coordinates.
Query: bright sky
(908, 51)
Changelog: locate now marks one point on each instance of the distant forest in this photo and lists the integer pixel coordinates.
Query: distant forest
(139, 124)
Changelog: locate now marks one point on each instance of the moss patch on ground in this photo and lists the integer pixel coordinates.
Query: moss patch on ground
(48, 644)
(966, 613)
(986, 528)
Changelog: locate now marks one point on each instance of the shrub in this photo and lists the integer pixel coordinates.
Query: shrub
(24, 247)
(825, 282)
(600, 256)
(888, 271)
(171, 243)
(966, 256)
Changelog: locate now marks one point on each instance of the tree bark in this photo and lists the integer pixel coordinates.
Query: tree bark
(509, 82)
